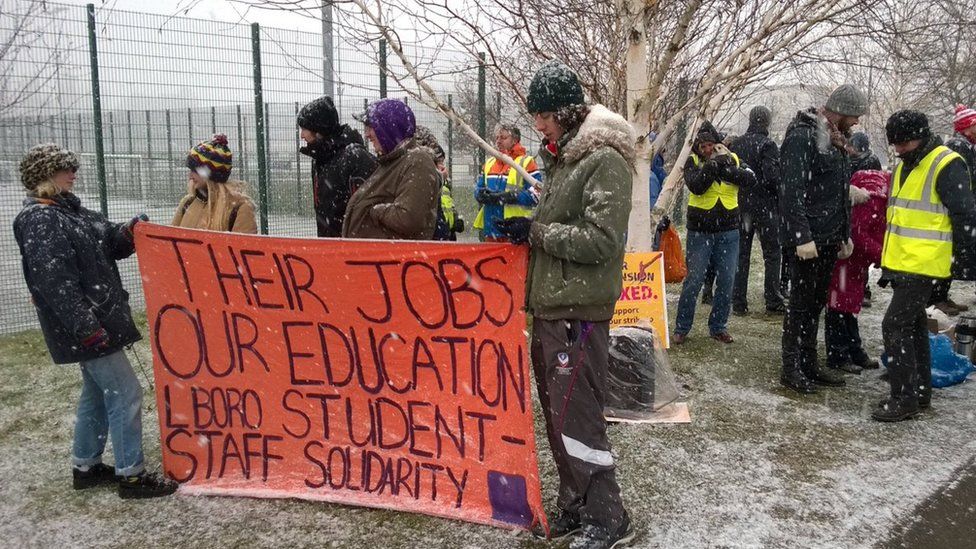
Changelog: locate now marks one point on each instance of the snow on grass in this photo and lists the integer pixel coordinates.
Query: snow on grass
(758, 467)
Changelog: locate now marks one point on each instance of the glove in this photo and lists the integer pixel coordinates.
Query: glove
(711, 169)
(483, 197)
(846, 249)
(859, 195)
(807, 251)
(459, 224)
(509, 197)
(131, 225)
(723, 161)
(663, 224)
(98, 340)
(515, 228)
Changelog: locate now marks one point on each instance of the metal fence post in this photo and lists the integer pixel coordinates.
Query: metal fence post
(259, 122)
(382, 69)
(148, 136)
(111, 132)
(97, 112)
(241, 145)
(298, 159)
(450, 138)
(481, 106)
(189, 126)
(64, 131)
(213, 120)
(128, 130)
(498, 106)
(81, 134)
(169, 150)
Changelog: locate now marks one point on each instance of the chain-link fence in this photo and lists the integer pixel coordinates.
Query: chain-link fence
(166, 83)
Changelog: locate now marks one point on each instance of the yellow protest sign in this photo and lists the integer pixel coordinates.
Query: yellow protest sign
(642, 301)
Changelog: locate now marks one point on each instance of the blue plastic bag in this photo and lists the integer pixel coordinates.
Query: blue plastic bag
(948, 367)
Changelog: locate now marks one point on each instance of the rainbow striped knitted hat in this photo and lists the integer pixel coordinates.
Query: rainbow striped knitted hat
(213, 157)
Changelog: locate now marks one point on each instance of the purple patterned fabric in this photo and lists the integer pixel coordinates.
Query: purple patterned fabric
(392, 121)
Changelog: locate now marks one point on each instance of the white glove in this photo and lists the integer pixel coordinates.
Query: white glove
(807, 251)
(859, 195)
(846, 249)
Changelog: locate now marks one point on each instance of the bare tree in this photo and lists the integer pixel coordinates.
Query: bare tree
(31, 54)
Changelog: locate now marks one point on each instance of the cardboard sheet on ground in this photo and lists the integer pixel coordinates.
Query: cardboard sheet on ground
(642, 301)
(676, 412)
(384, 374)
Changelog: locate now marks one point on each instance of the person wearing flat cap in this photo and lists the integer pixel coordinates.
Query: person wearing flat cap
(930, 238)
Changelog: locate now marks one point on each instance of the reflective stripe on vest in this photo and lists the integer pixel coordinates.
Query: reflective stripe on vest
(512, 183)
(918, 239)
(719, 190)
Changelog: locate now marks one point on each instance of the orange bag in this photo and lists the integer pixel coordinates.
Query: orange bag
(675, 269)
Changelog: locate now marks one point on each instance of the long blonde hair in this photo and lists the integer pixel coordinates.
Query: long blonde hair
(220, 200)
(46, 189)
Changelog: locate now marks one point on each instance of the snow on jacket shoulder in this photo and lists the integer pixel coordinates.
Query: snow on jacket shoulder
(816, 175)
(581, 222)
(339, 166)
(68, 258)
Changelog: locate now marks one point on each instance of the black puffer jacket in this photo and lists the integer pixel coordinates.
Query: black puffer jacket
(68, 255)
(968, 153)
(816, 178)
(699, 179)
(340, 164)
(756, 149)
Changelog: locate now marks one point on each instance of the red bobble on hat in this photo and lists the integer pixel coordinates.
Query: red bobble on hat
(965, 118)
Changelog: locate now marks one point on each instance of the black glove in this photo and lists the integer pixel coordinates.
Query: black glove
(131, 225)
(711, 169)
(515, 228)
(483, 197)
(663, 224)
(459, 224)
(509, 197)
(723, 160)
(883, 282)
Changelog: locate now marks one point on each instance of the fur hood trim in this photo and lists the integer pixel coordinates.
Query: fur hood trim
(601, 128)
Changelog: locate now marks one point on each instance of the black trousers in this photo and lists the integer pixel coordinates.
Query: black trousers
(767, 227)
(906, 339)
(940, 291)
(843, 338)
(809, 284)
(570, 359)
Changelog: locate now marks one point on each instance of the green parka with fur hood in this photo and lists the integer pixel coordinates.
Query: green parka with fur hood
(580, 224)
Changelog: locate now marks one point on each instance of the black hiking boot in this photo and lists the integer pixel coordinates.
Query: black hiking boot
(595, 536)
(740, 311)
(823, 376)
(891, 410)
(847, 367)
(869, 364)
(565, 525)
(145, 485)
(96, 475)
(798, 382)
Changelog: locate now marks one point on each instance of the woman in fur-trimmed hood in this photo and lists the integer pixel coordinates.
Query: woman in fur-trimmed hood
(577, 238)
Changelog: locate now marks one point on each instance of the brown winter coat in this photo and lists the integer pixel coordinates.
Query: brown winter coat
(397, 202)
(224, 207)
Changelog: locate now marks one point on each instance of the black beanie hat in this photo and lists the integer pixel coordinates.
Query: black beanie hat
(320, 116)
(760, 116)
(907, 125)
(707, 132)
(553, 87)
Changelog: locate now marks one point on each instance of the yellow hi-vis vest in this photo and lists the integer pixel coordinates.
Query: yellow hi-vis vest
(447, 206)
(918, 239)
(513, 183)
(720, 190)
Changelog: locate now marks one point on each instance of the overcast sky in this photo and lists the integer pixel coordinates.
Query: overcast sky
(216, 10)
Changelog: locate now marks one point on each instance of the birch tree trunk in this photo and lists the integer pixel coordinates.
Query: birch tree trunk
(631, 12)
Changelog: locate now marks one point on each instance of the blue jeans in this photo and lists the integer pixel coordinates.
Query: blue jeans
(111, 402)
(721, 252)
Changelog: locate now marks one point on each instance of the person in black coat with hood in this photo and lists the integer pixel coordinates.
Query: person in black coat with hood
(759, 207)
(863, 158)
(816, 208)
(340, 162)
(69, 256)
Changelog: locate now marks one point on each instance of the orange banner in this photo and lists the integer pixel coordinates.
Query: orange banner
(642, 301)
(383, 374)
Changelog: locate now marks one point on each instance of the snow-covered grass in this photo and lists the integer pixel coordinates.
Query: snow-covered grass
(758, 466)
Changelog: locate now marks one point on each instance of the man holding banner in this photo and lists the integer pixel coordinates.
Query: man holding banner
(577, 247)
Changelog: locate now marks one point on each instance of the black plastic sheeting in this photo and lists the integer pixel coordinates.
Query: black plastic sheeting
(639, 380)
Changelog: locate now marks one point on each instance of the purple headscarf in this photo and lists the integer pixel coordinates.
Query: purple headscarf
(392, 121)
